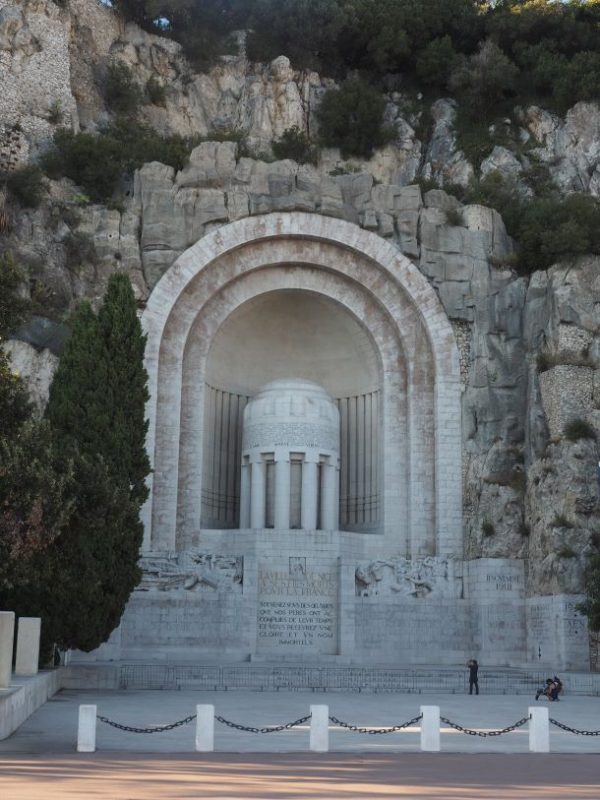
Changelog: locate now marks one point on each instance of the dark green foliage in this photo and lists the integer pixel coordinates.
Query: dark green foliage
(77, 407)
(122, 93)
(579, 429)
(484, 79)
(546, 229)
(71, 486)
(36, 502)
(296, 145)
(487, 528)
(553, 47)
(13, 306)
(98, 394)
(89, 573)
(591, 607)
(97, 162)
(121, 333)
(351, 118)
(26, 185)
(15, 407)
(554, 227)
(155, 91)
(80, 250)
(437, 62)
(303, 30)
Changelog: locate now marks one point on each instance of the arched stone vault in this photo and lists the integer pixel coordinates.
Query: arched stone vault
(378, 286)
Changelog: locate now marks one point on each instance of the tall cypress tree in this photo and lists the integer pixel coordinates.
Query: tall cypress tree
(99, 392)
(124, 344)
(96, 410)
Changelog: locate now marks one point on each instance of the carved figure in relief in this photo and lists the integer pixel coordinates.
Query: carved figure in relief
(418, 578)
(191, 571)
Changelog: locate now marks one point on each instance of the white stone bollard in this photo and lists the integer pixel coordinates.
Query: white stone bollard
(430, 729)
(7, 635)
(319, 729)
(205, 729)
(539, 730)
(86, 729)
(28, 645)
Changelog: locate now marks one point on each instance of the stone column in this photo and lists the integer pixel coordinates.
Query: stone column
(282, 492)
(258, 497)
(245, 497)
(328, 497)
(308, 512)
(7, 634)
(28, 646)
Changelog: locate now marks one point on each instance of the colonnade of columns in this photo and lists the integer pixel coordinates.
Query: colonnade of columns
(319, 502)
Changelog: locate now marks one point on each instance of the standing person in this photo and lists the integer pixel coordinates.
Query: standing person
(473, 675)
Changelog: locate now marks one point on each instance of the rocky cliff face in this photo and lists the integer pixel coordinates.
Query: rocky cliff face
(530, 347)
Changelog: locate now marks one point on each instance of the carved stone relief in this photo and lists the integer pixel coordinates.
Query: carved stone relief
(192, 571)
(422, 577)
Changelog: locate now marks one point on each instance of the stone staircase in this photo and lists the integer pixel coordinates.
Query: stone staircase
(319, 678)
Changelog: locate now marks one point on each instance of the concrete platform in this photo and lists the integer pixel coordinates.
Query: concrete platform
(52, 729)
(24, 696)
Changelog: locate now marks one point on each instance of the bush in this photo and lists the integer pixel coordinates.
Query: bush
(80, 249)
(156, 92)
(13, 307)
(487, 528)
(296, 145)
(351, 118)
(579, 429)
(26, 185)
(436, 62)
(121, 92)
(485, 78)
(553, 227)
(97, 162)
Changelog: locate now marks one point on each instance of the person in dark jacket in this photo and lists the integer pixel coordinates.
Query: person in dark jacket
(473, 675)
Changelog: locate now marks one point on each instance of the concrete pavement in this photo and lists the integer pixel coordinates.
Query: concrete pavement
(52, 729)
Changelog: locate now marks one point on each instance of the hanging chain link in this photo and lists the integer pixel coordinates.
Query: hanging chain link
(573, 730)
(270, 729)
(483, 734)
(157, 729)
(356, 729)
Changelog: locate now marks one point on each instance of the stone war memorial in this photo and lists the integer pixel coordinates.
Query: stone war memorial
(372, 340)
(305, 433)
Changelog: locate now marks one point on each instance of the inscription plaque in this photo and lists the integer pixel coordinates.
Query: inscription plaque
(297, 610)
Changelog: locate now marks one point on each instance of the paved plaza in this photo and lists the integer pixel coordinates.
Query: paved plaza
(39, 761)
(296, 776)
(52, 729)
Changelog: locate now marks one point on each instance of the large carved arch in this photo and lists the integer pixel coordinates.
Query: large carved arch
(377, 285)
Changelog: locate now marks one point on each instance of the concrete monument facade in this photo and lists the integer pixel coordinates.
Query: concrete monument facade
(305, 436)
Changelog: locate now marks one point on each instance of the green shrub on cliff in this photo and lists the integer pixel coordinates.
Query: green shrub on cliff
(351, 118)
(98, 161)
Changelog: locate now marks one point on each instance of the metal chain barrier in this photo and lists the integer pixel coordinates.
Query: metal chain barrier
(270, 729)
(573, 730)
(472, 732)
(157, 729)
(356, 729)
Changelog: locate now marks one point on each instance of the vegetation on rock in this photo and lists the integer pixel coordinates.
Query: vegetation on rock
(295, 144)
(351, 118)
(97, 162)
(526, 49)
